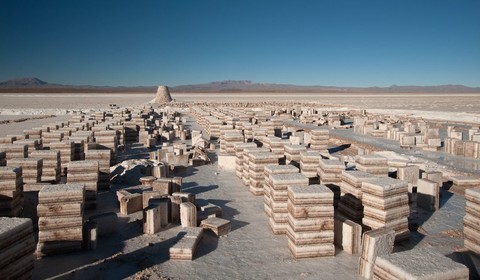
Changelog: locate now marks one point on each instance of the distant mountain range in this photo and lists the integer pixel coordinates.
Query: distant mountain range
(37, 85)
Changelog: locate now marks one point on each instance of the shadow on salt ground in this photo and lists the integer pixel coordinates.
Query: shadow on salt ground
(208, 244)
(445, 194)
(121, 266)
(338, 148)
(464, 257)
(194, 188)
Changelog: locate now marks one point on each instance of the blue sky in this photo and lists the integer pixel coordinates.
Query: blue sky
(342, 43)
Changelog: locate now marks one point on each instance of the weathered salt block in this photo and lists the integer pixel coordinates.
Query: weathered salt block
(185, 248)
(17, 245)
(428, 195)
(218, 226)
(418, 264)
(188, 214)
(374, 243)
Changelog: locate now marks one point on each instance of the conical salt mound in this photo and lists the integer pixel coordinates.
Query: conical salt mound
(163, 95)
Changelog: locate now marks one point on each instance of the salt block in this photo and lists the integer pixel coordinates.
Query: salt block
(131, 203)
(428, 195)
(188, 214)
(163, 186)
(165, 206)
(151, 219)
(419, 264)
(409, 174)
(374, 243)
(348, 235)
(218, 226)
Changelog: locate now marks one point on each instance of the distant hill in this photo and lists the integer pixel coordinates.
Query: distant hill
(33, 85)
(37, 85)
(23, 82)
(249, 86)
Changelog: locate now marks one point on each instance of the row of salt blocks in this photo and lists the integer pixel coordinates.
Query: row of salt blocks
(278, 184)
(60, 224)
(267, 187)
(239, 147)
(17, 245)
(310, 229)
(11, 190)
(471, 221)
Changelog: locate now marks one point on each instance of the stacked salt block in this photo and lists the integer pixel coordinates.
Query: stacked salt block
(11, 191)
(131, 131)
(256, 165)
(103, 158)
(309, 161)
(3, 161)
(229, 141)
(275, 144)
(319, 140)
(292, 153)
(51, 165)
(461, 183)
(330, 172)
(52, 136)
(348, 235)
(188, 214)
(373, 164)
(17, 245)
(85, 172)
(279, 198)
(385, 203)
(350, 204)
(31, 169)
(310, 229)
(185, 248)
(218, 226)
(246, 160)
(418, 264)
(374, 243)
(267, 186)
(156, 215)
(60, 224)
(14, 150)
(67, 151)
(79, 147)
(471, 221)
(239, 147)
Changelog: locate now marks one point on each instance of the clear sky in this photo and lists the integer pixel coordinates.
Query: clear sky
(335, 42)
